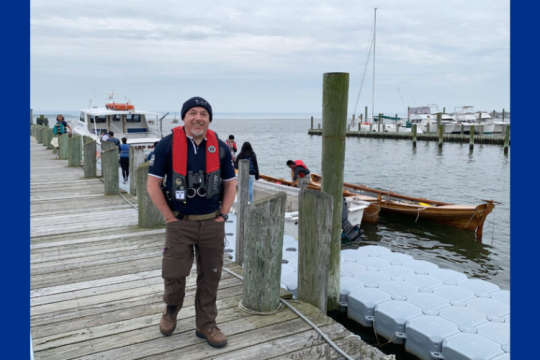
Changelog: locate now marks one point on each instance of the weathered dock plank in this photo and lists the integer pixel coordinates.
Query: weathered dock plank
(96, 286)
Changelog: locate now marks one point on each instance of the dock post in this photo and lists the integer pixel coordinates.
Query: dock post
(444, 110)
(312, 123)
(31, 116)
(63, 143)
(349, 127)
(314, 239)
(90, 159)
(105, 145)
(319, 126)
(359, 125)
(506, 137)
(109, 168)
(471, 137)
(263, 251)
(149, 215)
(379, 123)
(49, 135)
(440, 129)
(397, 128)
(366, 115)
(427, 127)
(75, 152)
(370, 127)
(242, 203)
(335, 96)
(39, 136)
(136, 158)
(462, 129)
(493, 114)
(414, 132)
(481, 130)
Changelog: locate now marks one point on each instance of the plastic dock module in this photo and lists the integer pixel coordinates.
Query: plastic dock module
(428, 301)
(373, 262)
(390, 318)
(346, 285)
(362, 303)
(398, 288)
(396, 271)
(425, 334)
(420, 266)
(502, 296)
(489, 307)
(371, 277)
(396, 258)
(463, 316)
(470, 346)
(498, 332)
(454, 293)
(372, 250)
(447, 276)
(350, 268)
(478, 286)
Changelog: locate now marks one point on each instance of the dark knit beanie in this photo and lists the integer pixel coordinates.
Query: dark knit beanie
(196, 101)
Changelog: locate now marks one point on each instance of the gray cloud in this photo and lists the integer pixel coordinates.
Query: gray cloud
(449, 52)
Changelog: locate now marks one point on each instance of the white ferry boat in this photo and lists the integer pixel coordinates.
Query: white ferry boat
(124, 120)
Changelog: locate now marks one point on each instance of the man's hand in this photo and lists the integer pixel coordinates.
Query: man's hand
(219, 219)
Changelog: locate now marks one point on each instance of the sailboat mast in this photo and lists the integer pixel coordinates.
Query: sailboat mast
(373, 85)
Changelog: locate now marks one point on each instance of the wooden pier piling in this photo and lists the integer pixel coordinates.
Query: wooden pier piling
(75, 151)
(379, 121)
(149, 216)
(314, 240)
(263, 251)
(335, 96)
(311, 123)
(471, 137)
(414, 132)
(63, 146)
(90, 159)
(136, 158)
(109, 168)
(506, 137)
(241, 208)
(440, 129)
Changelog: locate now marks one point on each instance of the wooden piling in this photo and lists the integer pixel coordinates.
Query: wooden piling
(312, 123)
(319, 126)
(109, 168)
(359, 125)
(370, 127)
(366, 114)
(427, 127)
(31, 116)
(47, 137)
(440, 129)
(471, 137)
(335, 96)
(414, 134)
(149, 215)
(263, 250)
(136, 158)
(105, 145)
(314, 239)
(90, 159)
(75, 151)
(379, 123)
(503, 115)
(506, 137)
(63, 146)
(242, 206)
(462, 129)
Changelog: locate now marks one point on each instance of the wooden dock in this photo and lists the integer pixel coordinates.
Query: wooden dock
(96, 286)
(492, 139)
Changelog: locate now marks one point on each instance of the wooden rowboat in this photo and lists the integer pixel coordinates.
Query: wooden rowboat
(371, 213)
(468, 217)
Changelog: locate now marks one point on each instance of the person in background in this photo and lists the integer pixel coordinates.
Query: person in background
(232, 146)
(300, 176)
(113, 139)
(149, 156)
(247, 153)
(124, 159)
(61, 125)
(104, 135)
(195, 207)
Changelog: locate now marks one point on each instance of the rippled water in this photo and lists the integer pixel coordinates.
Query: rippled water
(453, 174)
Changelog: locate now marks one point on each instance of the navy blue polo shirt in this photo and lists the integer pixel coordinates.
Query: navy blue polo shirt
(161, 165)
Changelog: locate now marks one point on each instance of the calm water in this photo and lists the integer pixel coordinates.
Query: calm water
(453, 174)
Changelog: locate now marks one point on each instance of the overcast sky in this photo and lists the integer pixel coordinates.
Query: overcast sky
(269, 56)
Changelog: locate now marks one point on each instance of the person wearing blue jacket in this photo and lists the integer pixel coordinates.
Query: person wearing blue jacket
(124, 159)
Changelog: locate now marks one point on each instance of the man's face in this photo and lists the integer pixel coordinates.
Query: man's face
(196, 122)
(291, 166)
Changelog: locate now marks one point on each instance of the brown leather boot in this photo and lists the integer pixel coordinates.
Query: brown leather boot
(168, 320)
(214, 337)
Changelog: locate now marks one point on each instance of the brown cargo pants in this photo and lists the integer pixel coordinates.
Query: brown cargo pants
(207, 238)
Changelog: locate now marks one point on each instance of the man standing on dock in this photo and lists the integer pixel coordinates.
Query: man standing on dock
(195, 209)
(300, 175)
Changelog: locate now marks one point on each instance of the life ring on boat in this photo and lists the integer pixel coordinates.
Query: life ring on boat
(115, 106)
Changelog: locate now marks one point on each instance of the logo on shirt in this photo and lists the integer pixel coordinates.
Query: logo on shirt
(211, 149)
(152, 159)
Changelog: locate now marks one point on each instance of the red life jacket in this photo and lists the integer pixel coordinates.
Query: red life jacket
(300, 163)
(179, 163)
